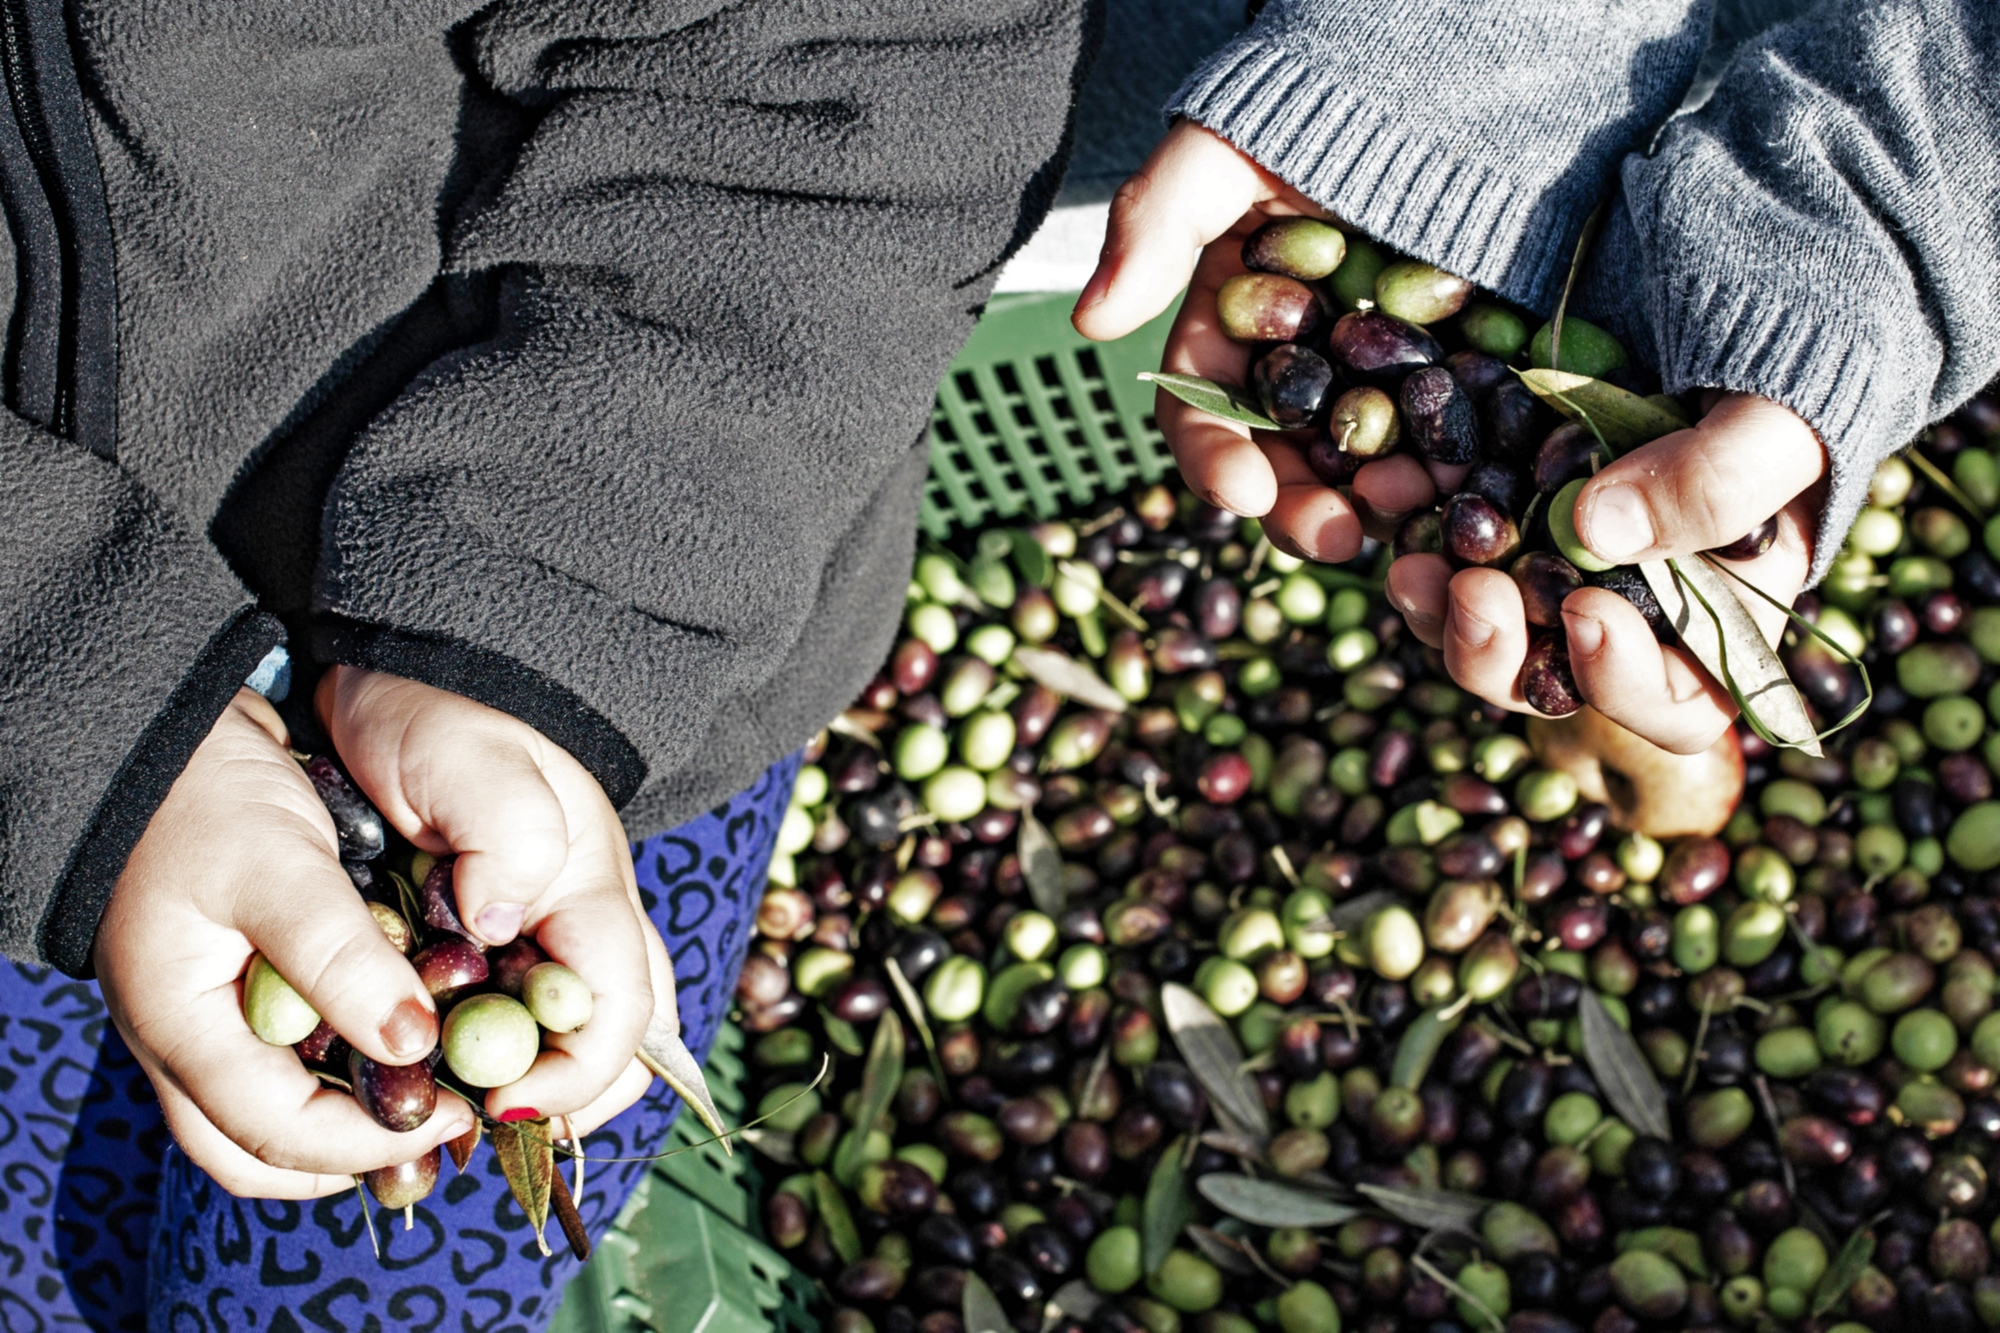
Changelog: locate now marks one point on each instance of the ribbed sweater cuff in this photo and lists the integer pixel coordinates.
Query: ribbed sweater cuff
(1371, 166)
(1764, 330)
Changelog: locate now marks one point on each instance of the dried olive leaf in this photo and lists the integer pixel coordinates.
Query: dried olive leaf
(1271, 1203)
(1216, 1061)
(1419, 1046)
(1717, 628)
(1168, 1206)
(1351, 912)
(1220, 1250)
(528, 1160)
(1069, 678)
(571, 1219)
(368, 1216)
(462, 1147)
(1218, 400)
(1624, 420)
(663, 1052)
(1433, 1210)
(777, 1144)
(832, 1208)
(1041, 866)
(1844, 1271)
(879, 1080)
(980, 1308)
(1622, 1069)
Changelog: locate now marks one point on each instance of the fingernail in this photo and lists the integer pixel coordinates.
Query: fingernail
(1620, 524)
(514, 1115)
(1586, 634)
(1470, 629)
(500, 922)
(408, 1029)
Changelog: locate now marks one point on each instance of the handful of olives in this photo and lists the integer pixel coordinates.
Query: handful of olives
(1376, 355)
(495, 1002)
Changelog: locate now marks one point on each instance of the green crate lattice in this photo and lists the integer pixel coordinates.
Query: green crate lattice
(1031, 420)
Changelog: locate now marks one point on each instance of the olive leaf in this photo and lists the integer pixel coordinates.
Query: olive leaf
(1716, 627)
(1041, 866)
(980, 1308)
(462, 1147)
(1487, 1314)
(1271, 1203)
(663, 1052)
(1168, 1206)
(368, 1216)
(1419, 1046)
(1675, 1243)
(1622, 1069)
(914, 1005)
(1032, 558)
(1432, 1210)
(528, 1160)
(1222, 1251)
(1216, 1061)
(834, 1214)
(1075, 1298)
(1621, 419)
(840, 1032)
(569, 1217)
(879, 1080)
(1069, 678)
(1844, 1271)
(1218, 400)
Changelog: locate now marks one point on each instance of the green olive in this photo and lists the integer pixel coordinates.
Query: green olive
(1113, 1261)
(559, 999)
(276, 1013)
(1186, 1281)
(490, 1040)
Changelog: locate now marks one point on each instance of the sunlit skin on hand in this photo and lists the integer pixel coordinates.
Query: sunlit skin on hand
(1180, 222)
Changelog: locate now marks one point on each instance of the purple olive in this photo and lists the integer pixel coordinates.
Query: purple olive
(399, 1097)
(1752, 543)
(1545, 675)
(1629, 583)
(1516, 421)
(1267, 308)
(1292, 384)
(360, 829)
(1503, 484)
(400, 1186)
(1477, 531)
(1569, 452)
(1477, 372)
(1442, 424)
(1544, 579)
(1381, 349)
(450, 968)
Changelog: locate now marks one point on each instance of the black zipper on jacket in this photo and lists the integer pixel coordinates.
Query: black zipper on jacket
(63, 368)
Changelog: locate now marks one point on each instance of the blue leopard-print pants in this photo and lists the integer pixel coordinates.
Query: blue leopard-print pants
(105, 1224)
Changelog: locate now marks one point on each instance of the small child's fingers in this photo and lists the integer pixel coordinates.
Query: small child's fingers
(1486, 637)
(1389, 490)
(1627, 676)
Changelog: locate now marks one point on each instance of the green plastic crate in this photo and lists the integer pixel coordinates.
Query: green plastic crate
(1032, 419)
(686, 1254)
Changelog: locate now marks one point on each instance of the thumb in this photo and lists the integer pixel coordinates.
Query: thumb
(1193, 189)
(1701, 488)
(492, 805)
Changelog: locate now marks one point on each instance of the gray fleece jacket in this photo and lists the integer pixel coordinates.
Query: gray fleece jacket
(1820, 225)
(574, 355)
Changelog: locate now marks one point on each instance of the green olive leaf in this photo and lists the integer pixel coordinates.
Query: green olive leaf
(1716, 627)
(1675, 1243)
(1218, 400)
(663, 1052)
(1069, 678)
(1075, 1298)
(1432, 1210)
(981, 1309)
(1487, 1314)
(1225, 1252)
(1167, 1207)
(1041, 866)
(1622, 420)
(833, 1211)
(1622, 1070)
(1272, 1203)
(913, 1004)
(879, 1080)
(528, 1160)
(1032, 558)
(840, 1032)
(1844, 1271)
(1419, 1046)
(1216, 1061)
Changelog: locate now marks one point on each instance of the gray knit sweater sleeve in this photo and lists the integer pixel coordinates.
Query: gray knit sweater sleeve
(1474, 135)
(1826, 230)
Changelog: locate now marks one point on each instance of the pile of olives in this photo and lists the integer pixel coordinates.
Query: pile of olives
(495, 1002)
(1273, 799)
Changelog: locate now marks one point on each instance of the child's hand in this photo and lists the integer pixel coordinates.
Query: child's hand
(1180, 221)
(540, 852)
(242, 857)
(1694, 490)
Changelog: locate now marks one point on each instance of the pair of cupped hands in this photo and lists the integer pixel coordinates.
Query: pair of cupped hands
(242, 857)
(1180, 222)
